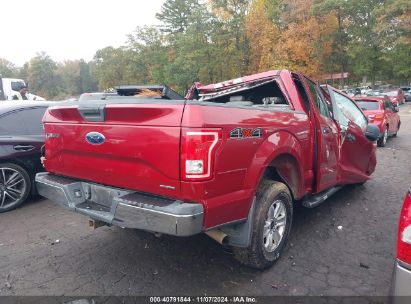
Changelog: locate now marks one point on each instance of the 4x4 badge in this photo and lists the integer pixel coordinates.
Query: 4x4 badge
(241, 133)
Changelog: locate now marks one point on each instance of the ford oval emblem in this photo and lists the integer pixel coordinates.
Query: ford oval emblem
(95, 138)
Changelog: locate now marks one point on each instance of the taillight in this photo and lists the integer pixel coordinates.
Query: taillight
(404, 232)
(198, 149)
(373, 117)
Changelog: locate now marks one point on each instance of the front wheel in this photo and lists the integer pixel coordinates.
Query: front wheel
(383, 140)
(271, 226)
(15, 186)
(398, 128)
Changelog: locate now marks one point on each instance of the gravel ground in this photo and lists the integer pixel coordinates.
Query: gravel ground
(47, 250)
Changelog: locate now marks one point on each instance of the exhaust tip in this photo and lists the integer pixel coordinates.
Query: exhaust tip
(218, 236)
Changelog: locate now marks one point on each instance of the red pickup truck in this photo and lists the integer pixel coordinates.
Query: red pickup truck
(230, 160)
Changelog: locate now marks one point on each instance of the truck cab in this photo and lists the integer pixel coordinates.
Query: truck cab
(9, 87)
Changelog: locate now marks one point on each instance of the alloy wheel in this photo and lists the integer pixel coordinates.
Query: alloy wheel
(12, 187)
(274, 227)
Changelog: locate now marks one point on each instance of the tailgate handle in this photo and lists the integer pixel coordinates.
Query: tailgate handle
(90, 113)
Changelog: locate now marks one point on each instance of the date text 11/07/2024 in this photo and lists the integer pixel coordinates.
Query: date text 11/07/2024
(203, 299)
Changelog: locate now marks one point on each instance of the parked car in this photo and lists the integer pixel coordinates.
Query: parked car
(231, 160)
(380, 111)
(401, 283)
(407, 93)
(362, 90)
(21, 139)
(396, 96)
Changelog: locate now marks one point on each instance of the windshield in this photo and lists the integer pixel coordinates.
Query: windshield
(368, 105)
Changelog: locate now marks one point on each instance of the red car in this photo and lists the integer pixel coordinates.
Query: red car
(231, 160)
(381, 112)
(397, 97)
(401, 284)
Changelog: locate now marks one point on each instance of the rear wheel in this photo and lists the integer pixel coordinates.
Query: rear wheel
(383, 140)
(271, 226)
(15, 186)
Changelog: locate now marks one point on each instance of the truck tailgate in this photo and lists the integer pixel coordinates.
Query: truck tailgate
(128, 145)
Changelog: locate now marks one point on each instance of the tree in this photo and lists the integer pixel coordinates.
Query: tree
(8, 69)
(42, 76)
(364, 46)
(108, 66)
(87, 82)
(263, 36)
(338, 58)
(231, 14)
(175, 15)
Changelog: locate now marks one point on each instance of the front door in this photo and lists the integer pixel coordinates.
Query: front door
(355, 149)
(326, 163)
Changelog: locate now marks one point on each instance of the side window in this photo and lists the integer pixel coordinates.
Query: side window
(319, 99)
(349, 111)
(29, 122)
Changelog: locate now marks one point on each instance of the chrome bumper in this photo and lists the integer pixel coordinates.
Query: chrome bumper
(120, 207)
(401, 282)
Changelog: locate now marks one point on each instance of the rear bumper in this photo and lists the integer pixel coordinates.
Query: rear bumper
(120, 207)
(401, 281)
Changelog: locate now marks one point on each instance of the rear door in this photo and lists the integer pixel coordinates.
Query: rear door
(21, 133)
(326, 138)
(355, 149)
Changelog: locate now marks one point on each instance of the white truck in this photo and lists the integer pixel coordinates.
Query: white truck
(10, 87)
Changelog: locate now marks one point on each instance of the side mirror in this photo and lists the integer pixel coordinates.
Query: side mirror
(396, 109)
(372, 132)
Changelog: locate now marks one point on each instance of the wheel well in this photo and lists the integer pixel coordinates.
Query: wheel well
(285, 169)
(26, 165)
(29, 165)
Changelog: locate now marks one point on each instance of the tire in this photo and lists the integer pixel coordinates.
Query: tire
(383, 140)
(15, 186)
(398, 128)
(262, 253)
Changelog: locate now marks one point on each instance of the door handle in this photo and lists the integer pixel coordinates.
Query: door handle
(24, 148)
(351, 137)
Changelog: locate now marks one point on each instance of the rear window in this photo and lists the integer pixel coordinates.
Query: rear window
(368, 105)
(264, 94)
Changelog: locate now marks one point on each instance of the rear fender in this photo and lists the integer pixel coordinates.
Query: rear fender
(281, 151)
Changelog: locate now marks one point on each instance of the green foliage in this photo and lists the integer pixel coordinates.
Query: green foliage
(175, 15)
(42, 76)
(7, 69)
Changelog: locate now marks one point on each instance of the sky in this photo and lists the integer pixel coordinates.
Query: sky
(69, 29)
